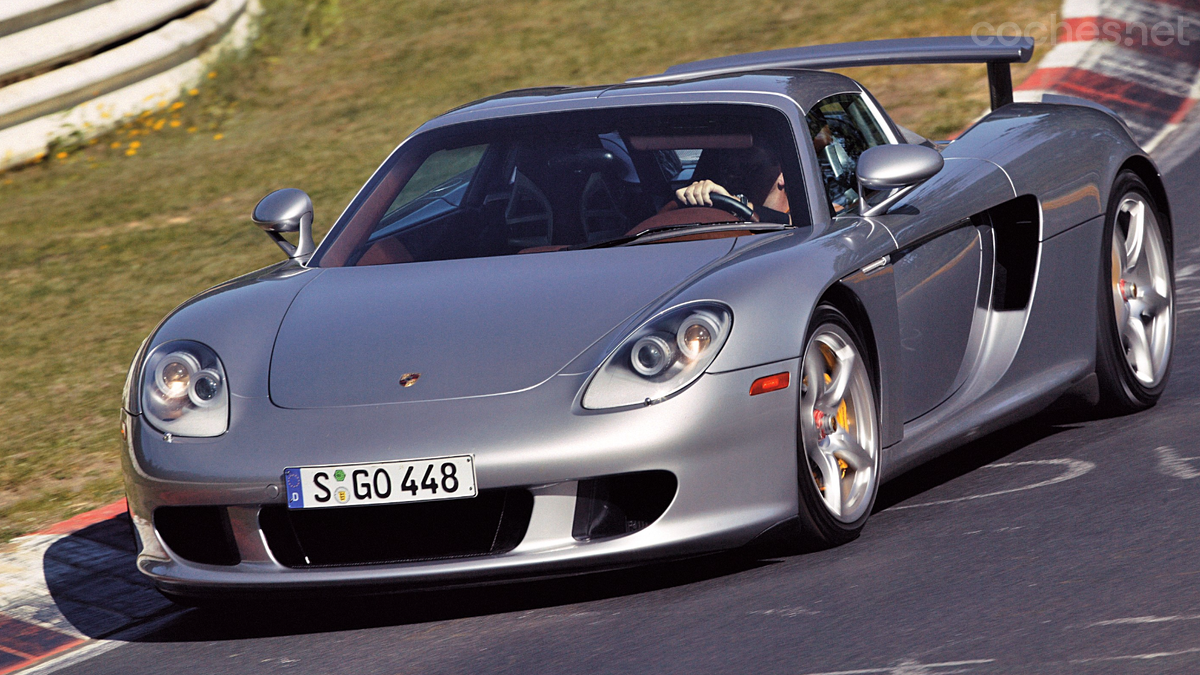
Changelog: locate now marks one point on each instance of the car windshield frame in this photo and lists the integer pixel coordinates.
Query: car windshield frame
(363, 221)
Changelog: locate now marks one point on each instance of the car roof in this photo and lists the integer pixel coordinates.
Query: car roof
(803, 87)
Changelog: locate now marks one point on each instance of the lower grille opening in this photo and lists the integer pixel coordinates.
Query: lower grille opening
(615, 505)
(200, 534)
(493, 522)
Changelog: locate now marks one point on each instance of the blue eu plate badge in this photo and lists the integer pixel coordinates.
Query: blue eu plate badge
(295, 493)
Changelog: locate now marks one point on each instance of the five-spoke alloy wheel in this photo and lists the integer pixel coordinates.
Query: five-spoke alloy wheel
(838, 448)
(1137, 326)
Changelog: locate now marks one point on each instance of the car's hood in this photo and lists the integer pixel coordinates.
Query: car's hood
(474, 327)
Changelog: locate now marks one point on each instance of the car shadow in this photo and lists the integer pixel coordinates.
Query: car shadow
(965, 459)
(325, 612)
(102, 593)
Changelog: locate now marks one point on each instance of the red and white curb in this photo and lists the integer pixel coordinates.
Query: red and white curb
(72, 591)
(1139, 57)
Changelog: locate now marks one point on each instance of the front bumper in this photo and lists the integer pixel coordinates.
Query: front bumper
(733, 456)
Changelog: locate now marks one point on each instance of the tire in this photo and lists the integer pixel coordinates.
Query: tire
(1135, 334)
(837, 433)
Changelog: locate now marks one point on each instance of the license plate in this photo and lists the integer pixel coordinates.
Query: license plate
(422, 480)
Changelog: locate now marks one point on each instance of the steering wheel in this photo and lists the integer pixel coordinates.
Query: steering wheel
(733, 206)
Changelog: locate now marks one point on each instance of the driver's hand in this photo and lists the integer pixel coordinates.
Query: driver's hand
(823, 139)
(697, 194)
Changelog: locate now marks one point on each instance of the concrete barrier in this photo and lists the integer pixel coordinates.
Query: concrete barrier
(16, 15)
(161, 48)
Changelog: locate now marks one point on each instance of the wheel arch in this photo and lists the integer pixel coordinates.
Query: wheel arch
(869, 303)
(1144, 169)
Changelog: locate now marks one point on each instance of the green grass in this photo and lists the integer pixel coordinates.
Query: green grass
(100, 244)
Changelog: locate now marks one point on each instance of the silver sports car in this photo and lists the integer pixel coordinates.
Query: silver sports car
(569, 328)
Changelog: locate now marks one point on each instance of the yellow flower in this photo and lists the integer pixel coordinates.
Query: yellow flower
(193, 92)
(145, 114)
(218, 137)
(61, 155)
(212, 74)
(135, 145)
(175, 123)
(159, 124)
(115, 145)
(192, 130)
(130, 152)
(177, 105)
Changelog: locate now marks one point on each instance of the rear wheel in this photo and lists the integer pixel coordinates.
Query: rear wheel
(838, 445)
(1136, 331)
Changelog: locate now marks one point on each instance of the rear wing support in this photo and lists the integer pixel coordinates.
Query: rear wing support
(995, 51)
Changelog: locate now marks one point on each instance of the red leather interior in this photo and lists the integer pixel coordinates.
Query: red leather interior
(674, 214)
(543, 249)
(385, 252)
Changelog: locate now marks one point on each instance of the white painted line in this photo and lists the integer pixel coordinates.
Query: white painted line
(1080, 9)
(1138, 620)
(907, 668)
(1065, 55)
(1171, 464)
(1074, 469)
(789, 612)
(1139, 657)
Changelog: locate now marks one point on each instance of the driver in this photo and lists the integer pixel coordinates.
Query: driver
(757, 173)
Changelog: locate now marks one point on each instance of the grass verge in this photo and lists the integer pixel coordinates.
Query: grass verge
(103, 239)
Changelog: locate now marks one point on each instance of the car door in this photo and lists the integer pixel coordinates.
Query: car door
(937, 280)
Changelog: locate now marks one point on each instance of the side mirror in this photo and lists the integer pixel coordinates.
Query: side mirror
(287, 210)
(887, 167)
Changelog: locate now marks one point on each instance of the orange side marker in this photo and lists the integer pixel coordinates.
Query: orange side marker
(770, 383)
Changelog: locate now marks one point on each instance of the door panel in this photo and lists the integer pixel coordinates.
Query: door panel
(937, 285)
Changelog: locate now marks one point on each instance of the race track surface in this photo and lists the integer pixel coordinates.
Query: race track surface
(1054, 546)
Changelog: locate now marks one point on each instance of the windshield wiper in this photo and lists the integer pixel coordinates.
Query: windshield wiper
(670, 231)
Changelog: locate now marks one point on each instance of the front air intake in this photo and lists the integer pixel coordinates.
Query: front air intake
(199, 534)
(612, 506)
(490, 524)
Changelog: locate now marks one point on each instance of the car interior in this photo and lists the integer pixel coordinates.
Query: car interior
(543, 190)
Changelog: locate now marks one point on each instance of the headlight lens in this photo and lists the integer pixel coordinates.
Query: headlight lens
(661, 357)
(184, 391)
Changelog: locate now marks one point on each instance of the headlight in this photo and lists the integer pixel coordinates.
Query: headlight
(184, 391)
(664, 355)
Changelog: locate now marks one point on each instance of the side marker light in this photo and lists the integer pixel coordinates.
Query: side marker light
(770, 383)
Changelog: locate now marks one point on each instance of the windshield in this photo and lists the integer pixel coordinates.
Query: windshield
(561, 181)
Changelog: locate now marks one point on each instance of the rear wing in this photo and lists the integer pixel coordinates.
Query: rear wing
(907, 51)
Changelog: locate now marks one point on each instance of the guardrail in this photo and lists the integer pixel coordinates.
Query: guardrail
(77, 68)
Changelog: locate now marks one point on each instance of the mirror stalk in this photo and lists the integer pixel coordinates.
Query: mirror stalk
(287, 210)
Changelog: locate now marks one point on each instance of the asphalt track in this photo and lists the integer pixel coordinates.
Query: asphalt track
(1053, 546)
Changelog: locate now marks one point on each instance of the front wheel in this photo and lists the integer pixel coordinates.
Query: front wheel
(1136, 331)
(838, 444)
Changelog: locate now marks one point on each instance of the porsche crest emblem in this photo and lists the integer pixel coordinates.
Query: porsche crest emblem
(409, 379)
